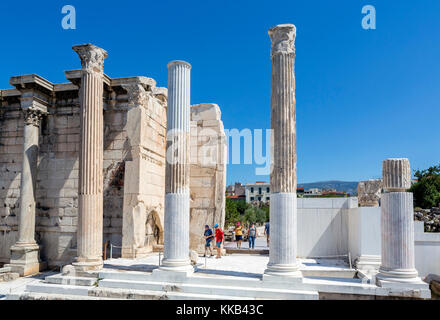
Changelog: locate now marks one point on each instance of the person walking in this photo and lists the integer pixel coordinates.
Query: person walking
(266, 232)
(218, 240)
(252, 234)
(209, 236)
(238, 234)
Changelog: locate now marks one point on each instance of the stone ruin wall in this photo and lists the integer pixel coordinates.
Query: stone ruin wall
(208, 172)
(57, 182)
(134, 169)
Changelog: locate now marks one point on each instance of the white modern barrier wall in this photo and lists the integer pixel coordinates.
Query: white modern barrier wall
(330, 227)
(323, 226)
(427, 250)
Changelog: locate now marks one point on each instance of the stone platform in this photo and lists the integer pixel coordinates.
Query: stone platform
(231, 277)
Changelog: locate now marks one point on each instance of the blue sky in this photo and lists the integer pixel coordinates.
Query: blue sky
(362, 95)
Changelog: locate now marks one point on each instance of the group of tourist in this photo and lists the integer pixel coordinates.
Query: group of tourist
(209, 236)
(252, 234)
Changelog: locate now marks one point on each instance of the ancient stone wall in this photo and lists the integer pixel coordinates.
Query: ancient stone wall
(57, 182)
(208, 171)
(11, 149)
(133, 167)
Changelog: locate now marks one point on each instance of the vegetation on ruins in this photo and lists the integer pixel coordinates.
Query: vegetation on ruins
(427, 189)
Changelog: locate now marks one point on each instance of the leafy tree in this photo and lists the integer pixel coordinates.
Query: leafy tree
(242, 205)
(266, 209)
(250, 215)
(260, 216)
(427, 189)
(231, 213)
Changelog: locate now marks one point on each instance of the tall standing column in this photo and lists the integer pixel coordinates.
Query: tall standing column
(90, 188)
(397, 224)
(25, 253)
(176, 234)
(283, 208)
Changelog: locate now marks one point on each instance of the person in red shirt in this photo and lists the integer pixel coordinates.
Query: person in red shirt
(218, 240)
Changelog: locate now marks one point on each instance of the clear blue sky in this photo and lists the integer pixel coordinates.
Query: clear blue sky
(362, 95)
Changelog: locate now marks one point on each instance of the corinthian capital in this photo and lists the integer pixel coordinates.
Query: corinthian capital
(282, 37)
(32, 117)
(92, 57)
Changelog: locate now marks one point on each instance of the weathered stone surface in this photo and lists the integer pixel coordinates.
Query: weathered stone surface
(283, 211)
(430, 217)
(208, 172)
(396, 175)
(369, 192)
(176, 236)
(397, 225)
(90, 186)
(133, 169)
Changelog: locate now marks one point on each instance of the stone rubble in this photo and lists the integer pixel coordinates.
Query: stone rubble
(430, 217)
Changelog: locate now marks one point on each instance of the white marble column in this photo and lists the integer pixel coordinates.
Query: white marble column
(25, 253)
(90, 188)
(283, 204)
(397, 224)
(176, 233)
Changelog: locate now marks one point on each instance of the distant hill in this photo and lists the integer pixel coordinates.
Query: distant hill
(346, 186)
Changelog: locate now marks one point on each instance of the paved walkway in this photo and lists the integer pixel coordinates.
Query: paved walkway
(247, 265)
(260, 244)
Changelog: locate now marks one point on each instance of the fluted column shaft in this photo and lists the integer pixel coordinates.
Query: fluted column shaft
(176, 234)
(283, 208)
(90, 187)
(397, 223)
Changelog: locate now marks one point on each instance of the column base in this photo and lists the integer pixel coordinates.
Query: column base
(175, 265)
(368, 263)
(173, 272)
(398, 275)
(25, 259)
(413, 287)
(88, 265)
(283, 271)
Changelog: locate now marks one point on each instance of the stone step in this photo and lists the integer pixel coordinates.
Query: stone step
(247, 251)
(53, 296)
(197, 278)
(131, 294)
(70, 280)
(41, 287)
(328, 273)
(5, 269)
(211, 289)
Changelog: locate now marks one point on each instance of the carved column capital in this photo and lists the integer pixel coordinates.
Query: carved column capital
(32, 117)
(282, 37)
(92, 57)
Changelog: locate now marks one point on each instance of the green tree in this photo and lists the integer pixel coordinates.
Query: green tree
(250, 215)
(260, 216)
(242, 205)
(231, 213)
(265, 207)
(427, 189)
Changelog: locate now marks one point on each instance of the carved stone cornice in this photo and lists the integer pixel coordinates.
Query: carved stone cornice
(282, 38)
(92, 57)
(138, 91)
(137, 95)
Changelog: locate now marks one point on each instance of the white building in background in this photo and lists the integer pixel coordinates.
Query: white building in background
(258, 191)
(313, 191)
